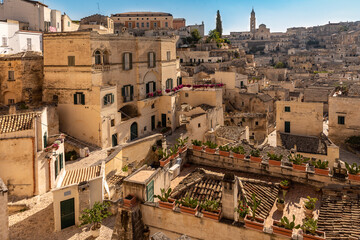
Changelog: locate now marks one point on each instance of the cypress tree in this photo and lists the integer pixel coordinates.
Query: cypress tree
(219, 23)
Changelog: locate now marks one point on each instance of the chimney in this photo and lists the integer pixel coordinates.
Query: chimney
(229, 196)
(12, 109)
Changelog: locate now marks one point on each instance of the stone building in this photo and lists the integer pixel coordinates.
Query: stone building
(21, 78)
(36, 167)
(144, 20)
(343, 114)
(68, 25)
(99, 23)
(179, 23)
(4, 218)
(121, 87)
(37, 15)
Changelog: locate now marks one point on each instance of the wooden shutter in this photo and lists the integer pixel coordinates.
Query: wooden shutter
(131, 92)
(154, 86)
(149, 59)
(124, 62)
(130, 60)
(82, 99)
(105, 99)
(112, 98)
(154, 56)
(75, 99)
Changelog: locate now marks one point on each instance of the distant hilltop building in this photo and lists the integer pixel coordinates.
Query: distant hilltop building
(144, 20)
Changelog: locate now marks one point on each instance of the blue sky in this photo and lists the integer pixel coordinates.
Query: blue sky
(276, 14)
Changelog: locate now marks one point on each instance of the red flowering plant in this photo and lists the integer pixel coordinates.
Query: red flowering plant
(168, 90)
(242, 209)
(180, 86)
(189, 86)
(159, 92)
(150, 94)
(212, 85)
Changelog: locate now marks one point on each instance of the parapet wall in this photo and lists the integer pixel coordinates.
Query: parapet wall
(263, 168)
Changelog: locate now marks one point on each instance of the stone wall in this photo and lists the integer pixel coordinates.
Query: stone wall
(4, 222)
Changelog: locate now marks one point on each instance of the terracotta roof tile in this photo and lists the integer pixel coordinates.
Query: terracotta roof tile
(80, 175)
(16, 122)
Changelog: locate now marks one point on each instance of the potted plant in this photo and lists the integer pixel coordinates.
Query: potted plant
(94, 216)
(285, 184)
(164, 199)
(238, 152)
(174, 152)
(253, 221)
(224, 151)
(210, 147)
(182, 144)
(280, 202)
(188, 204)
(309, 206)
(310, 231)
(353, 171)
(163, 157)
(274, 159)
(197, 145)
(298, 162)
(284, 226)
(242, 210)
(321, 167)
(210, 209)
(255, 156)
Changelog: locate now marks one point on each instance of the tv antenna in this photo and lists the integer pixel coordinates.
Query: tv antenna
(98, 5)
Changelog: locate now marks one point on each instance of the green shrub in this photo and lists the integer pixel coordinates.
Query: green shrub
(310, 226)
(255, 153)
(210, 205)
(211, 145)
(320, 164)
(273, 156)
(310, 203)
(352, 169)
(187, 201)
(225, 148)
(95, 215)
(285, 222)
(164, 197)
(238, 150)
(196, 143)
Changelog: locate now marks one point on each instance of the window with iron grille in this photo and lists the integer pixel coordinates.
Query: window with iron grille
(151, 60)
(11, 76)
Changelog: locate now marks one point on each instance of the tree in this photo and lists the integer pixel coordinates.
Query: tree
(195, 35)
(219, 24)
(213, 36)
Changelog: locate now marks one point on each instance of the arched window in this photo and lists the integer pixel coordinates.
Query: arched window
(106, 57)
(97, 58)
(133, 131)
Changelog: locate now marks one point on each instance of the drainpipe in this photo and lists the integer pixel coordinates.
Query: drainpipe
(49, 164)
(34, 165)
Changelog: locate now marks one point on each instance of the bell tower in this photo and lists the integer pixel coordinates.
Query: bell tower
(252, 21)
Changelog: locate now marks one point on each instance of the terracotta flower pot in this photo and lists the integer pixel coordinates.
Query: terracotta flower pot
(319, 236)
(197, 148)
(210, 150)
(239, 156)
(284, 187)
(354, 177)
(95, 232)
(130, 201)
(274, 162)
(182, 149)
(299, 167)
(189, 210)
(308, 212)
(223, 153)
(324, 172)
(255, 159)
(163, 162)
(280, 230)
(280, 206)
(168, 205)
(258, 224)
(211, 215)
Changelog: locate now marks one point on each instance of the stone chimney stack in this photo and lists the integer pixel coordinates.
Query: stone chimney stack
(229, 196)
(12, 109)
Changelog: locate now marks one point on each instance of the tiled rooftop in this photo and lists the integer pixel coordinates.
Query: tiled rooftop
(16, 122)
(340, 215)
(306, 144)
(80, 175)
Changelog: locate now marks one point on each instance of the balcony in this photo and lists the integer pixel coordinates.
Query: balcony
(101, 67)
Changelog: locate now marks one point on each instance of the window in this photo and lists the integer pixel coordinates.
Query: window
(150, 87)
(108, 99)
(11, 101)
(28, 44)
(287, 127)
(11, 76)
(71, 60)
(151, 60)
(199, 125)
(168, 55)
(69, 24)
(79, 98)
(153, 106)
(287, 109)
(166, 24)
(97, 57)
(61, 163)
(58, 25)
(128, 93)
(112, 122)
(4, 41)
(55, 98)
(179, 81)
(130, 25)
(142, 25)
(147, 24)
(106, 58)
(137, 25)
(114, 140)
(169, 83)
(257, 123)
(155, 24)
(127, 61)
(186, 94)
(341, 120)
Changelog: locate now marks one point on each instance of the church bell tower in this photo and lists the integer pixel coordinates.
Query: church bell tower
(252, 21)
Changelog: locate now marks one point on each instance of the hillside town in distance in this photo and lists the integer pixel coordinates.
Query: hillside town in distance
(139, 126)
